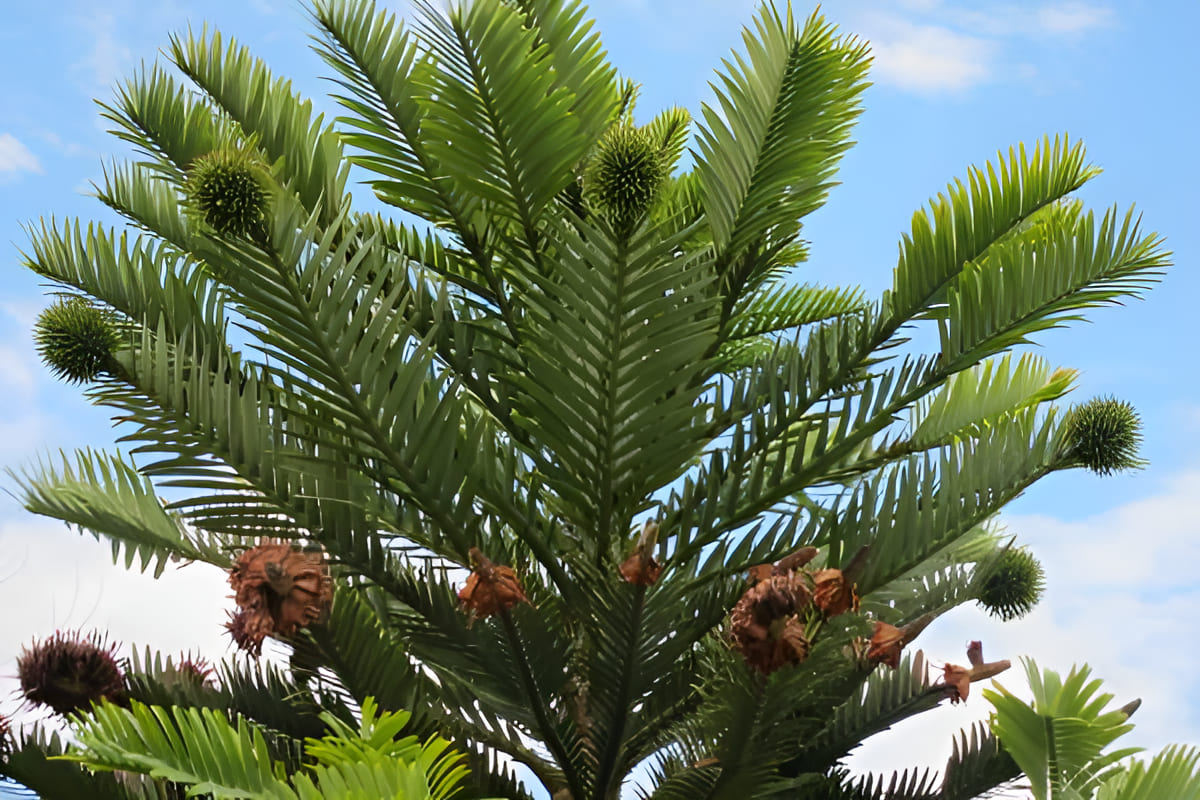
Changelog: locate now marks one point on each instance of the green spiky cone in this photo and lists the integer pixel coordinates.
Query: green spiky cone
(68, 672)
(1104, 435)
(1013, 585)
(624, 176)
(76, 339)
(227, 190)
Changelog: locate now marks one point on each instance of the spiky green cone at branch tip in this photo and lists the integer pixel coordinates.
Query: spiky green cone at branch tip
(76, 339)
(1104, 435)
(624, 175)
(1014, 585)
(227, 190)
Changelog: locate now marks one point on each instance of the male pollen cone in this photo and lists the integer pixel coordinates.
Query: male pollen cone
(490, 588)
(68, 671)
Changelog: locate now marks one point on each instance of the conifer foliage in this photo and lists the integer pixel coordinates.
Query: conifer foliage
(570, 456)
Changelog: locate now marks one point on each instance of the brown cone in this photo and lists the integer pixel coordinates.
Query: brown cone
(765, 626)
(278, 589)
(490, 589)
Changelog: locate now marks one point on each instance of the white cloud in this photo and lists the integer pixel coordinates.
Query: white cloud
(927, 46)
(926, 58)
(1122, 596)
(1072, 17)
(16, 157)
(59, 579)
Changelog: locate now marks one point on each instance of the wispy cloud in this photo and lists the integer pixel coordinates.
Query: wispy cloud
(107, 59)
(15, 157)
(929, 46)
(1073, 18)
(927, 58)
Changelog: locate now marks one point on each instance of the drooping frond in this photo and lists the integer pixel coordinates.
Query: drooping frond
(106, 496)
(887, 697)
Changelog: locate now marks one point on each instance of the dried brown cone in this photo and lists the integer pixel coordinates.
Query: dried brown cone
(248, 629)
(888, 641)
(787, 564)
(958, 680)
(278, 589)
(832, 593)
(490, 588)
(69, 672)
(641, 568)
(765, 624)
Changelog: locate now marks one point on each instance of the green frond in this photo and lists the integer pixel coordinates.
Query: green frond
(426, 250)
(1175, 772)
(670, 131)
(141, 278)
(577, 58)
(198, 747)
(960, 225)
(907, 514)
(257, 690)
(768, 149)
(306, 152)
(613, 385)
(1020, 287)
(910, 784)
(34, 763)
(149, 201)
(886, 697)
(166, 122)
(775, 308)
(106, 496)
(499, 127)
(966, 404)
(379, 62)
(977, 765)
(1060, 741)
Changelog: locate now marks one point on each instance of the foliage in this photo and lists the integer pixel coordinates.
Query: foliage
(202, 750)
(1060, 741)
(603, 394)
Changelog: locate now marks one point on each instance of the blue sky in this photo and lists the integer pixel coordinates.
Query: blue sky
(955, 81)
